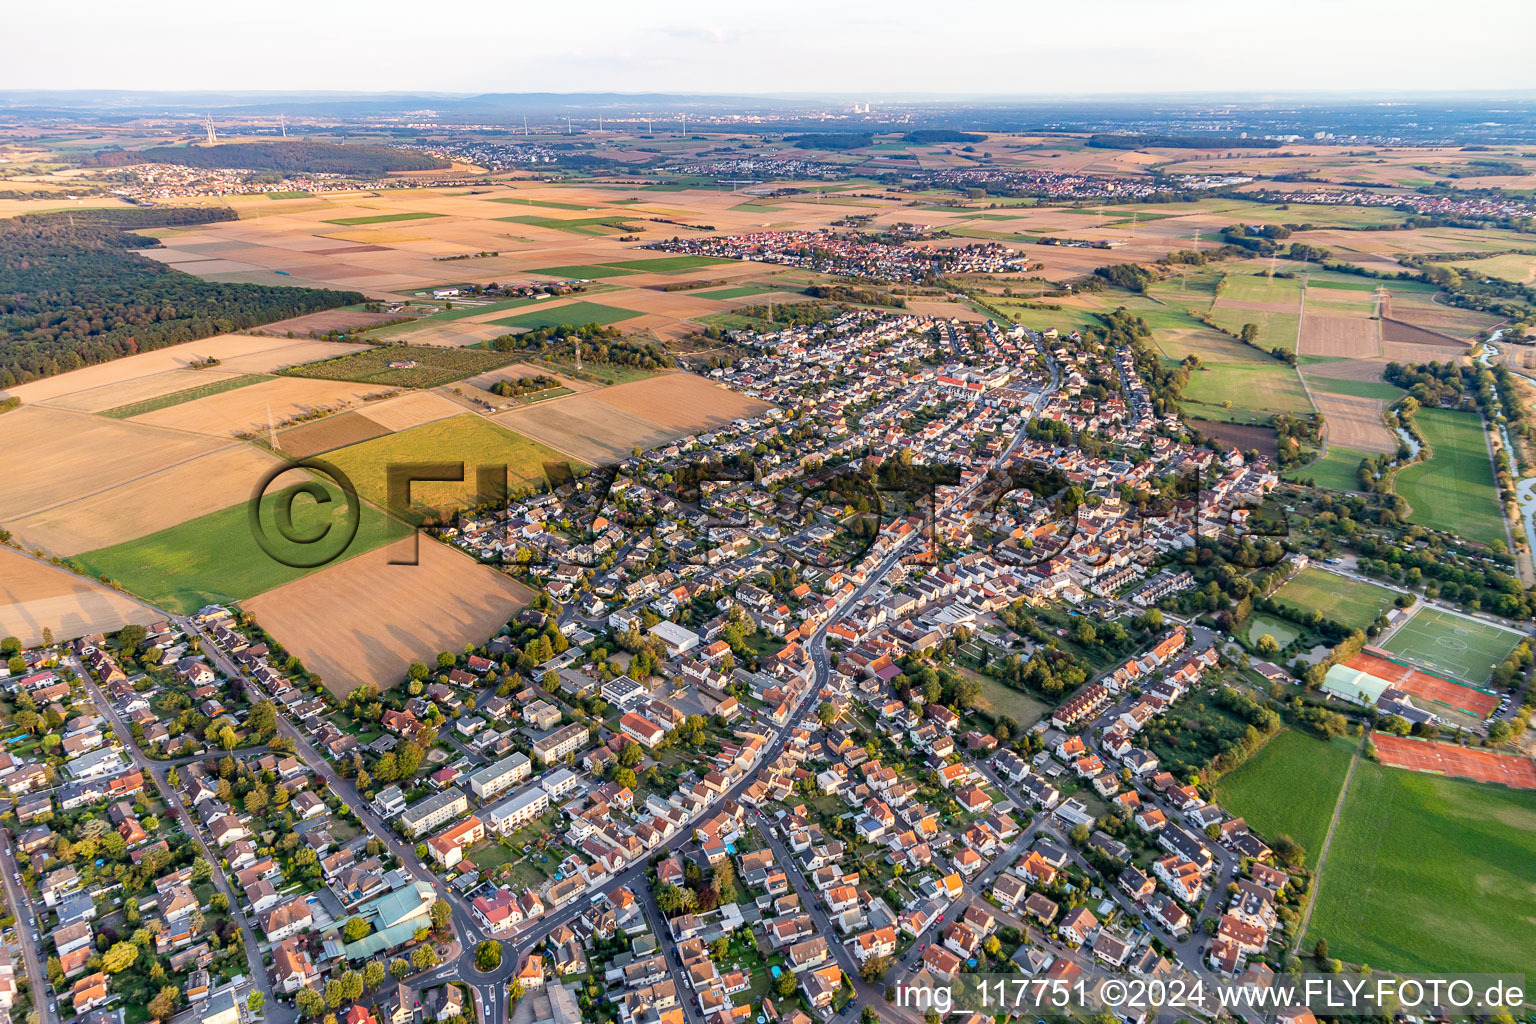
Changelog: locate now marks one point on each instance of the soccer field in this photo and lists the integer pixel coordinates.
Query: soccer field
(1465, 649)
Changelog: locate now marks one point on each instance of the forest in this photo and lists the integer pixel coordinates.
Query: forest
(73, 293)
(286, 157)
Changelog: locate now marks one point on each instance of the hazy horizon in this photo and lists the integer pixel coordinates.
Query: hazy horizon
(995, 51)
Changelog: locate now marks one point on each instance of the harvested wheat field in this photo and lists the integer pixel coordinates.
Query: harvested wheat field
(35, 596)
(584, 428)
(111, 396)
(49, 456)
(1355, 422)
(411, 409)
(1353, 337)
(364, 620)
(328, 434)
(328, 320)
(146, 504)
(1404, 352)
(605, 426)
(249, 410)
(237, 353)
(684, 402)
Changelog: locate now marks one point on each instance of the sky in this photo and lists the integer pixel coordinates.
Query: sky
(850, 48)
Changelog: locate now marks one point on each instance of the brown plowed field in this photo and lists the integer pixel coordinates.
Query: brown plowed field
(1353, 337)
(327, 435)
(365, 620)
(1407, 334)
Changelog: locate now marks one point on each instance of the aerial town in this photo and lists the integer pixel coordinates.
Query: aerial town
(647, 558)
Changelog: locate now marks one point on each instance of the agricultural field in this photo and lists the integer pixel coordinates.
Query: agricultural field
(1464, 648)
(581, 273)
(382, 218)
(1356, 423)
(70, 475)
(365, 620)
(216, 558)
(325, 435)
(214, 386)
(420, 366)
(1289, 788)
(668, 264)
(266, 403)
(605, 425)
(35, 596)
(1336, 470)
(1429, 874)
(1348, 601)
(1453, 489)
(577, 314)
(1517, 267)
(469, 439)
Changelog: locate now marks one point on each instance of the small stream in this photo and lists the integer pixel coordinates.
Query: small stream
(1525, 489)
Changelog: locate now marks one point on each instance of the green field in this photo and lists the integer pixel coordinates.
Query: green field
(1288, 788)
(739, 292)
(434, 366)
(1350, 602)
(668, 264)
(1358, 388)
(998, 699)
(1430, 874)
(1336, 470)
(216, 558)
(1453, 490)
(1466, 649)
(213, 387)
(1276, 330)
(580, 272)
(382, 218)
(291, 194)
(548, 204)
(1517, 267)
(469, 439)
(1260, 288)
(576, 226)
(576, 313)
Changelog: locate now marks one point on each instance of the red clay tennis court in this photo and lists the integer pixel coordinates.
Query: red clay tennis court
(1421, 684)
(1459, 762)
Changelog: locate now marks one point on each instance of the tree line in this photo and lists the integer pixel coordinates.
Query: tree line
(73, 292)
(287, 157)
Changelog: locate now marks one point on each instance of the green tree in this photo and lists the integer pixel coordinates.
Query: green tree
(373, 974)
(310, 1004)
(488, 956)
(356, 928)
(254, 1002)
(119, 958)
